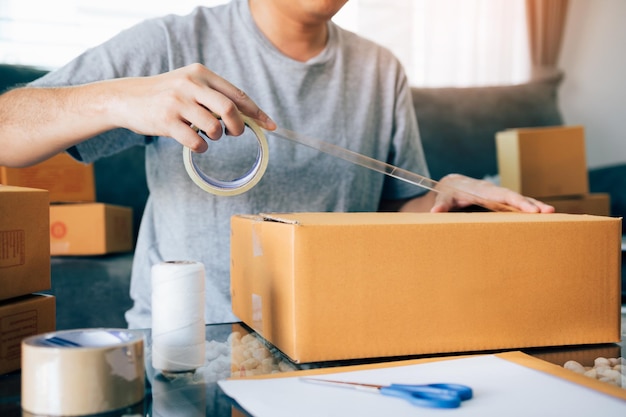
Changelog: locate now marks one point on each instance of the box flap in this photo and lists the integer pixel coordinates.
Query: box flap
(277, 218)
(17, 189)
(395, 218)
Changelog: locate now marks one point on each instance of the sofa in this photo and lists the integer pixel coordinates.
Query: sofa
(457, 127)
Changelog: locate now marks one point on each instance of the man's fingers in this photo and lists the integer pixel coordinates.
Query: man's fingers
(242, 103)
(188, 137)
(192, 97)
(207, 121)
(444, 202)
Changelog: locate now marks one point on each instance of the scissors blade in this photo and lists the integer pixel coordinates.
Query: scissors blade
(385, 168)
(427, 395)
(344, 384)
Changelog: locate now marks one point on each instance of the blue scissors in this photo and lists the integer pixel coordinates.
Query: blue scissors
(438, 395)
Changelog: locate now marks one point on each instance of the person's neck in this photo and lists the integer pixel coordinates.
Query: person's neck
(296, 39)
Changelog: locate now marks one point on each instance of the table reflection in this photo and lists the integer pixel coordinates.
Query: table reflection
(233, 351)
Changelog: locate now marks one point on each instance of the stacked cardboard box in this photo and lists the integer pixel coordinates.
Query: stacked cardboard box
(90, 229)
(24, 270)
(549, 164)
(65, 179)
(78, 224)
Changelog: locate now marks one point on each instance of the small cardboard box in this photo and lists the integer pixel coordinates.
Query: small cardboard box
(24, 241)
(598, 204)
(543, 162)
(332, 286)
(90, 229)
(67, 179)
(20, 318)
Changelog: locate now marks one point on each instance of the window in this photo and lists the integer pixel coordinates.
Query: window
(50, 33)
(440, 42)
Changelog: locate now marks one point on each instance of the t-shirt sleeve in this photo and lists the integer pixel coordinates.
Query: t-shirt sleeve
(141, 50)
(406, 148)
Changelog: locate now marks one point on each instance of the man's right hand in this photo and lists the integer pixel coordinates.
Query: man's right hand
(36, 123)
(173, 101)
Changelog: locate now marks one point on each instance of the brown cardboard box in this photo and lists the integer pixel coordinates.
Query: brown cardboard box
(20, 318)
(67, 179)
(331, 286)
(543, 162)
(24, 241)
(90, 229)
(598, 204)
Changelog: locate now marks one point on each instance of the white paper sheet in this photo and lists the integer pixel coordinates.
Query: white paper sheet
(501, 388)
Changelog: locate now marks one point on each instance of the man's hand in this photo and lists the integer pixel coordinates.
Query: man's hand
(484, 189)
(37, 123)
(168, 104)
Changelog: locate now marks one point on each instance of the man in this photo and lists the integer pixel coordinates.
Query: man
(151, 82)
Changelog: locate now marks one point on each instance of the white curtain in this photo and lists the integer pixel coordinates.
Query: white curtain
(448, 42)
(440, 42)
(47, 34)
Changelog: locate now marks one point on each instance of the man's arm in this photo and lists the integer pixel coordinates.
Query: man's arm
(36, 123)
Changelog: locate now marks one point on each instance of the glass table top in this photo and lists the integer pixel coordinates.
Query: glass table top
(233, 350)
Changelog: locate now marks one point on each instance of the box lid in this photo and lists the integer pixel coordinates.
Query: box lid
(373, 219)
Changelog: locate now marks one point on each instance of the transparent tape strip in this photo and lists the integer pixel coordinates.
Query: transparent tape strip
(250, 179)
(387, 169)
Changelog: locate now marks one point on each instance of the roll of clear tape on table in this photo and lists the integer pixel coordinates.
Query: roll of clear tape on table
(239, 185)
(83, 371)
(178, 342)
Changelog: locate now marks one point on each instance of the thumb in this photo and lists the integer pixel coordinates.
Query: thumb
(444, 202)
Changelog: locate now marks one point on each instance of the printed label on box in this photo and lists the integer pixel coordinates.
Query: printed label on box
(12, 251)
(15, 328)
(257, 312)
(59, 247)
(58, 230)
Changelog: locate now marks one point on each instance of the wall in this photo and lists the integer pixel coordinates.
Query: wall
(593, 93)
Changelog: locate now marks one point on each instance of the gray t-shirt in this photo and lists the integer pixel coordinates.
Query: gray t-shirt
(353, 94)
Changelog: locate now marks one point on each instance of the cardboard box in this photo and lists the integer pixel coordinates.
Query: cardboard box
(67, 179)
(332, 286)
(543, 162)
(20, 318)
(598, 204)
(24, 241)
(624, 272)
(90, 229)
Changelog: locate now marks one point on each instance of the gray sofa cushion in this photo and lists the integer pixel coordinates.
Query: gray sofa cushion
(458, 125)
(611, 179)
(91, 291)
(15, 75)
(121, 179)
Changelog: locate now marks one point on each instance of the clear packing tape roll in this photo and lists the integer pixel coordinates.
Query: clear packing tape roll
(239, 185)
(81, 372)
(255, 174)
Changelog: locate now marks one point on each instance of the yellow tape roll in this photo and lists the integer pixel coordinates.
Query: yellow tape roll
(240, 185)
(79, 372)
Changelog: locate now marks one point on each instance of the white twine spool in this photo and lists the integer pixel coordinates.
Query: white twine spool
(180, 395)
(178, 316)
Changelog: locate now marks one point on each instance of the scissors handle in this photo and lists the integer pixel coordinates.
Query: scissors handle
(463, 391)
(430, 395)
